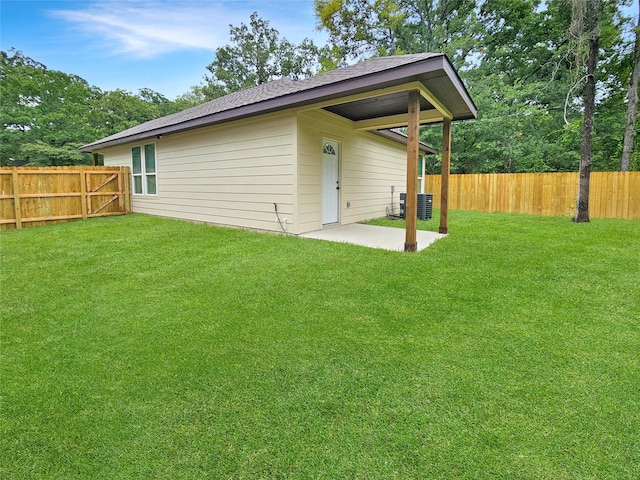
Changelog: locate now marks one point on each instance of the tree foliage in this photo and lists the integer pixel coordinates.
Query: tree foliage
(46, 114)
(257, 55)
(42, 111)
(519, 62)
(361, 28)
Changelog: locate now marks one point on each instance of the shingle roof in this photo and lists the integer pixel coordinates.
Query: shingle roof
(273, 96)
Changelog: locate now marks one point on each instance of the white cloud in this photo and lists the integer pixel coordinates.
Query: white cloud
(151, 29)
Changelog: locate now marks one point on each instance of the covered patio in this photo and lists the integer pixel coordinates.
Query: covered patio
(408, 95)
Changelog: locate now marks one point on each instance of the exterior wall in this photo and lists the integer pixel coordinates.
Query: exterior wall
(229, 174)
(232, 174)
(369, 165)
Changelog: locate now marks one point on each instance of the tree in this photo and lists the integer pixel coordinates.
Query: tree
(161, 104)
(46, 114)
(632, 103)
(117, 110)
(585, 27)
(41, 154)
(43, 112)
(362, 28)
(196, 95)
(257, 55)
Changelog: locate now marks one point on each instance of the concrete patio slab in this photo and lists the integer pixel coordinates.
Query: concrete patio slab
(372, 236)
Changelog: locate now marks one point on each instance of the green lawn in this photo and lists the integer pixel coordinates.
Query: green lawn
(136, 348)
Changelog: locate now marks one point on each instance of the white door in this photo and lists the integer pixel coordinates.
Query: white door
(330, 183)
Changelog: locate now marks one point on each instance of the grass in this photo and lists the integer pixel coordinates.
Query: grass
(138, 347)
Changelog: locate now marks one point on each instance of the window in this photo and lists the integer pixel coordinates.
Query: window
(328, 149)
(143, 170)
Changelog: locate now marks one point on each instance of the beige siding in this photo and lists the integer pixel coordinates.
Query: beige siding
(230, 174)
(369, 165)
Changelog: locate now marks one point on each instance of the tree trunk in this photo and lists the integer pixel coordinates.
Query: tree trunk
(589, 98)
(632, 105)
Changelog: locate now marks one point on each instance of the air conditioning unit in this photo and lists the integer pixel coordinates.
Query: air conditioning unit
(425, 206)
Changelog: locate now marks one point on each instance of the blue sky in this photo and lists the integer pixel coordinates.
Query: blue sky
(164, 45)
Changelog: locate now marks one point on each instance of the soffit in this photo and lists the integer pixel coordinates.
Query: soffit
(377, 107)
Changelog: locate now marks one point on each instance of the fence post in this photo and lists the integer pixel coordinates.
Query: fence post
(16, 198)
(84, 198)
(127, 187)
(121, 207)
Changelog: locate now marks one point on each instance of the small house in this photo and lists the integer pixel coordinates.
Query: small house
(323, 150)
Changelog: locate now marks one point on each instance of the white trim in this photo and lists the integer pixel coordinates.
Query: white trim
(143, 175)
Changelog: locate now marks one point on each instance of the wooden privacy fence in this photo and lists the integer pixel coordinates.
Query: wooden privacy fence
(36, 196)
(611, 194)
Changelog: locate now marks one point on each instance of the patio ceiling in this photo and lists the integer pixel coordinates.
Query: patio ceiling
(387, 108)
(381, 101)
(377, 107)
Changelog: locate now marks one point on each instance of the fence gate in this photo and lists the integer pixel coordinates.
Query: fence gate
(103, 189)
(37, 196)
